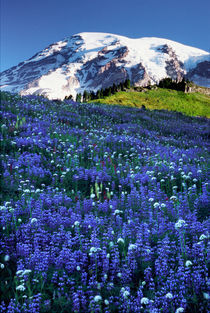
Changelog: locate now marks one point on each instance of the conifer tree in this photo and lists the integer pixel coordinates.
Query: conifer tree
(85, 96)
(114, 88)
(78, 97)
(128, 84)
(98, 94)
(92, 95)
(102, 93)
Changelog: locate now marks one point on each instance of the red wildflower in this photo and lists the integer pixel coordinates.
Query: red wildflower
(10, 168)
(115, 168)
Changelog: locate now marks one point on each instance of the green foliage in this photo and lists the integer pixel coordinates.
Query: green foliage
(192, 104)
(78, 97)
(85, 96)
(106, 92)
(20, 122)
(127, 83)
(168, 83)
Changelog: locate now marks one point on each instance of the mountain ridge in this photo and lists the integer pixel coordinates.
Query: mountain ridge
(90, 61)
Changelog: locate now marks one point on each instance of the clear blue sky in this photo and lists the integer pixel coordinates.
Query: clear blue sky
(28, 26)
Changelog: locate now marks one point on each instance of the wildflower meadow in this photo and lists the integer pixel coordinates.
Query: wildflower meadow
(103, 208)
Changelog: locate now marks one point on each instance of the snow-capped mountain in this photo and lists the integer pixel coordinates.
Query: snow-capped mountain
(90, 61)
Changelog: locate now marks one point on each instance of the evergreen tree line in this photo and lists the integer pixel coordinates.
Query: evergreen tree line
(168, 83)
(102, 93)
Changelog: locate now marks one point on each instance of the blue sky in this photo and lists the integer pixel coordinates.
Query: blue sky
(28, 26)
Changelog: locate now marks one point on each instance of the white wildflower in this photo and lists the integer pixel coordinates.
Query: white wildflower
(144, 300)
(6, 258)
(2, 266)
(93, 250)
(206, 295)
(78, 268)
(76, 223)
(169, 295)
(117, 212)
(97, 298)
(181, 223)
(26, 272)
(20, 288)
(106, 302)
(132, 246)
(202, 237)
(156, 205)
(126, 294)
(33, 220)
(179, 310)
(26, 191)
(120, 240)
(188, 263)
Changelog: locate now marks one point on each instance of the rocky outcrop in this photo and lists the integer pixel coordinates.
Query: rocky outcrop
(200, 74)
(104, 70)
(139, 76)
(174, 68)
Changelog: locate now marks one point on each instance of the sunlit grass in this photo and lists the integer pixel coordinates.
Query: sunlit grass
(192, 104)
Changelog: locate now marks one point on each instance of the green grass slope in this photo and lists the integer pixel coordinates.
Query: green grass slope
(193, 104)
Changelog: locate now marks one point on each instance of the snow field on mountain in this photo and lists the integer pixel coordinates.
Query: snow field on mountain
(67, 61)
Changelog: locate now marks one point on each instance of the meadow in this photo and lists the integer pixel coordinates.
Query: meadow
(192, 104)
(104, 208)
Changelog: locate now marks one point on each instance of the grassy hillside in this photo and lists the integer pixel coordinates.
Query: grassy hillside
(193, 104)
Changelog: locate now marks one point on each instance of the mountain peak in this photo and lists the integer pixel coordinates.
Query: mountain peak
(91, 60)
